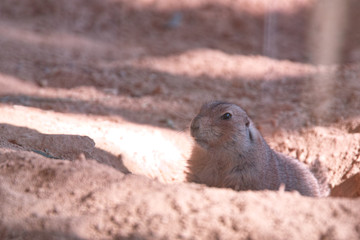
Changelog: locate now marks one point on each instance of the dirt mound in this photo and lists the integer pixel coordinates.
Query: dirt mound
(94, 201)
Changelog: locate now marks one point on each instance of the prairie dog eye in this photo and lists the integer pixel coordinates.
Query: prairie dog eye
(226, 116)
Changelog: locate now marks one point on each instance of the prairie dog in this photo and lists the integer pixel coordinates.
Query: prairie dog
(230, 152)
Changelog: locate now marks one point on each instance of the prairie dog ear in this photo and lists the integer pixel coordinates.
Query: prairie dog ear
(253, 132)
(247, 121)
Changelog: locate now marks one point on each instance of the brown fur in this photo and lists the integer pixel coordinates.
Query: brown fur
(231, 153)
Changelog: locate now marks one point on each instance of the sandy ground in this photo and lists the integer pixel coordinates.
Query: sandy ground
(96, 98)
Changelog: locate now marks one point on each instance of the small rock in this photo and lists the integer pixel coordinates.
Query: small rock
(158, 90)
(81, 157)
(354, 129)
(168, 122)
(43, 83)
(112, 91)
(175, 20)
(349, 188)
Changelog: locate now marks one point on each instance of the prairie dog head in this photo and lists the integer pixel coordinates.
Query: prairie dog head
(222, 124)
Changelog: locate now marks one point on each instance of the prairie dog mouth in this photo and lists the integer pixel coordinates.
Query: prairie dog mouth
(201, 142)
